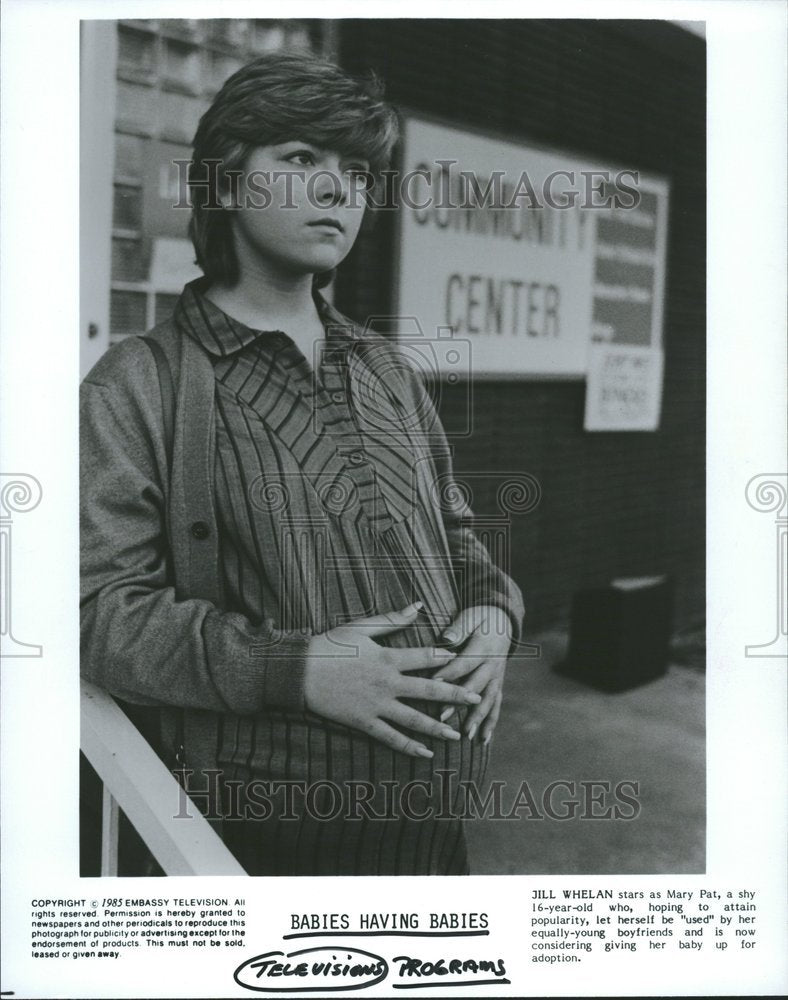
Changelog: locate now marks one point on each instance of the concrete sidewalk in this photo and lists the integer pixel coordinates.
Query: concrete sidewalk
(553, 728)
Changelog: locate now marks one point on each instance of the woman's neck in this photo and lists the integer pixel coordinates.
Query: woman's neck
(265, 301)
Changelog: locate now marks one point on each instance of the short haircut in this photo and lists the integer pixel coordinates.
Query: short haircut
(277, 98)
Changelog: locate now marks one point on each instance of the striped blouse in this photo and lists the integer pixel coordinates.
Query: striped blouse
(335, 501)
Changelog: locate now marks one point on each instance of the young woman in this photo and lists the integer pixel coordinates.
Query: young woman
(272, 553)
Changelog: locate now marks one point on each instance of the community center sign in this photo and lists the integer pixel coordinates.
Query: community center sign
(532, 257)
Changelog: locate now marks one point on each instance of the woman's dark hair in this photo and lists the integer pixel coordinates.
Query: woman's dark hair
(277, 98)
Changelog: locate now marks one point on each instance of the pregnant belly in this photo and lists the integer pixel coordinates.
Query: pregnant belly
(326, 762)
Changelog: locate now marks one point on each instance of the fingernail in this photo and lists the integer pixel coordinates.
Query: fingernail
(472, 731)
(446, 654)
(486, 740)
(450, 734)
(417, 606)
(451, 636)
(423, 752)
(472, 698)
(445, 714)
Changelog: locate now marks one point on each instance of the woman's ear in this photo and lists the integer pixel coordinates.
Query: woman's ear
(229, 186)
(227, 200)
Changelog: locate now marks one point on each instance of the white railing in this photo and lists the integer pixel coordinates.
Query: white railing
(136, 781)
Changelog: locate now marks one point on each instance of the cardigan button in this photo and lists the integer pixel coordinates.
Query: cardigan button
(200, 530)
(356, 457)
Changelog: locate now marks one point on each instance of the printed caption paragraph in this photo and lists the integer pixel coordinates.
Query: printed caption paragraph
(109, 927)
(570, 923)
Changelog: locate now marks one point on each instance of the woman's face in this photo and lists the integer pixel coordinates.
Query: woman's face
(298, 208)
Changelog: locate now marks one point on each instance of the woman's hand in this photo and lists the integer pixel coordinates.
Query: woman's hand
(482, 663)
(352, 680)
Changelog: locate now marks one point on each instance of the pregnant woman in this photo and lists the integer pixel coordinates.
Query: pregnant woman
(275, 557)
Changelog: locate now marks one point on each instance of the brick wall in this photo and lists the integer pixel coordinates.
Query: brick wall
(632, 93)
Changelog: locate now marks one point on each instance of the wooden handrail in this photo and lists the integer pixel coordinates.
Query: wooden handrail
(148, 794)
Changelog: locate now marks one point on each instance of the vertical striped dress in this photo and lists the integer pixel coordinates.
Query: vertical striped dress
(334, 501)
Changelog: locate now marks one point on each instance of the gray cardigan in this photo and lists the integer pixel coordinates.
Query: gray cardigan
(151, 630)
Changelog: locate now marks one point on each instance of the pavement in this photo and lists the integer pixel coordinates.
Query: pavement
(556, 729)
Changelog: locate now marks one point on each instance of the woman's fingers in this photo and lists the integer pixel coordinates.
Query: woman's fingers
(462, 664)
(488, 676)
(463, 625)
(473, 655)
(389, 737)
(489, 724)
(482, 711)
(420, 657)
(431, 690)
(389, 622)
(412, 718)
(484, 672)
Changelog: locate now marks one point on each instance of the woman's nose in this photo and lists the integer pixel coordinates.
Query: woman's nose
(331, 187)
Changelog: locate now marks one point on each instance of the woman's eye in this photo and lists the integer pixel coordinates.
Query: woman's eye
(303, 158)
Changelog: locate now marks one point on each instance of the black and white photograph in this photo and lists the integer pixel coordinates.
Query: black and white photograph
(405, 477)
(423, 354)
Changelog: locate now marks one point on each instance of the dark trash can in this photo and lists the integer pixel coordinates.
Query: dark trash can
(620, 634)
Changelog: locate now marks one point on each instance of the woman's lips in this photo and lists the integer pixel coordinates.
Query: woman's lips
(328, 224)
